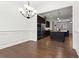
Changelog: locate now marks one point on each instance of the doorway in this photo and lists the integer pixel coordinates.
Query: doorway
(58, 27)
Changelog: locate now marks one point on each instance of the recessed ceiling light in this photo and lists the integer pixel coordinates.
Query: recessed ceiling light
(58, 18)
(70, 22)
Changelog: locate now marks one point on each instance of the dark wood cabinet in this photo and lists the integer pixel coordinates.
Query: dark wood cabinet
(40, 31)
(40, 19)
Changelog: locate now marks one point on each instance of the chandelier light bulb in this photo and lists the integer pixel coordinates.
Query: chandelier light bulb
(30, 8)
(20, 9)
(35, 11)
(23, 12)
(26, 6)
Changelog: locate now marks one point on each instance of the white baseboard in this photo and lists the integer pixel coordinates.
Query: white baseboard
(11, 38)
(14, 43)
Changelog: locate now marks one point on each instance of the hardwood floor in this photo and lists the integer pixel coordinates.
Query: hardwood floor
(44, 48)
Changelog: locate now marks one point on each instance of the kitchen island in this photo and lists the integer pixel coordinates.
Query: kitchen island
(58, 36)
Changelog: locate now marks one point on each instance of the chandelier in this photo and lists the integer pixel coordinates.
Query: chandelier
(29, 12)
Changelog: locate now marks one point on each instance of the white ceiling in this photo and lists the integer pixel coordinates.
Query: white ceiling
(53, 9)
(63, 13)
(43, 6)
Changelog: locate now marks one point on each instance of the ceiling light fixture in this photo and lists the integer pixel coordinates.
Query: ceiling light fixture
(58, 19)
(58, 16)
(29, 11)
(70, 22)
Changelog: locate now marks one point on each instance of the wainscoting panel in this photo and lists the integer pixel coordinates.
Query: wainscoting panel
(10, 38)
